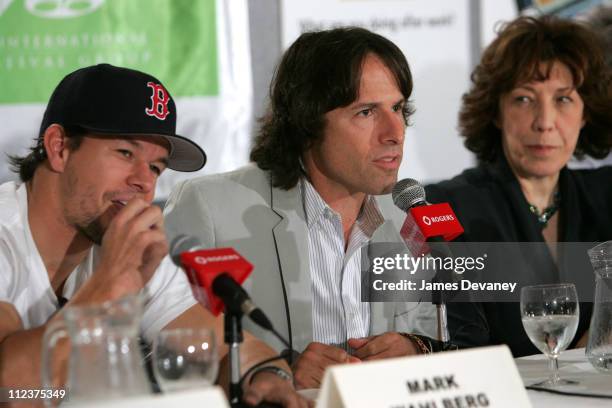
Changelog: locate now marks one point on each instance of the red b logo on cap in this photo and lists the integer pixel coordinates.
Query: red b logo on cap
(159, 99)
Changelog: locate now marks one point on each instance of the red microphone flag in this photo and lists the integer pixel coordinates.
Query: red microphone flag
(203, 266)
(426, 221)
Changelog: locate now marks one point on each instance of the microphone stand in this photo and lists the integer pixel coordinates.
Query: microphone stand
(233, 337)
(437, 298)
(442, 329)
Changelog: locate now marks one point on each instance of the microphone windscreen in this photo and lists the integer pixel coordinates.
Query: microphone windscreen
(182, 243)
(407, 192)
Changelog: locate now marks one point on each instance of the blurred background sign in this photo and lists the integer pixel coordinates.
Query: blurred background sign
(217, 58)
(197, 48)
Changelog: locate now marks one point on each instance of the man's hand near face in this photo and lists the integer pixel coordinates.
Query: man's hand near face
(386, 345)
(310, 366)
(133, 246)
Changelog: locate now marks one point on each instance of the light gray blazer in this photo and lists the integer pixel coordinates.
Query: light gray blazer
(267, 226)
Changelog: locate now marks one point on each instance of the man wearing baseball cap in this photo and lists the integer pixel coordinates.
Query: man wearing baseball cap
(80, 227)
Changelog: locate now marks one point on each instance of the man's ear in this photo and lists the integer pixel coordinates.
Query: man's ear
(55, 142)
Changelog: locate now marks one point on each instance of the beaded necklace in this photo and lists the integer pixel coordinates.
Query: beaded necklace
(545, 216)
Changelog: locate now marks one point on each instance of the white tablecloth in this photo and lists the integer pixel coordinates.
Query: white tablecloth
(573, 364)
(209, 397)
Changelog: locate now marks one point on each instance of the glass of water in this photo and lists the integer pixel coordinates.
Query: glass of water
(185, 359)
(550, 318)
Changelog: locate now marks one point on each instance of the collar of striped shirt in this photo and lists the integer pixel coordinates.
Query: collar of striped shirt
(368, 220)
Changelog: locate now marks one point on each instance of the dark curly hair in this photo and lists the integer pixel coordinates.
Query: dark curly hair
(321, 71)
(25, 166)
(600, 21)
(515, 57)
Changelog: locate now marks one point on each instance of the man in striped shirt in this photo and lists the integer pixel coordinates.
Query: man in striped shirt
(332, 140)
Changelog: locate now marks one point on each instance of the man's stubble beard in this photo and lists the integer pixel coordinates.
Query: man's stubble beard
(388, 188)
(93, 231)
(86, 221)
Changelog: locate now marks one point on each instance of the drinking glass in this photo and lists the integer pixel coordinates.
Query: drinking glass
(185, 359)
(550, 318)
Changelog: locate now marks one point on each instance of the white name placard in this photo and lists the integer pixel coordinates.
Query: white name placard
(482, 377)
(209, 397)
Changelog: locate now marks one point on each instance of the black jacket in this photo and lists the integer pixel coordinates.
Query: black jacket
(491, 207)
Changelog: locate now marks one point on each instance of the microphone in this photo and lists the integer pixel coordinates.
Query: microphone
(428, 223)
(219, 272)
(434, 223)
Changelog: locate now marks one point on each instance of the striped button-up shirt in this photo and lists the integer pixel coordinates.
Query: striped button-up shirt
(337, 311)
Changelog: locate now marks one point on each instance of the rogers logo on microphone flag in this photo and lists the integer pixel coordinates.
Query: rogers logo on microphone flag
(203, 266)
(437, 220)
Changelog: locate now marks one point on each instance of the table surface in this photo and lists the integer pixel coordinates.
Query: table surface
(573, 364)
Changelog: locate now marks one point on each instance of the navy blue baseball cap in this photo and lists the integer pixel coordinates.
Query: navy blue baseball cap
(108, 100)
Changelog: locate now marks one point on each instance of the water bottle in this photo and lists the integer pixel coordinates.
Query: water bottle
(599, 346)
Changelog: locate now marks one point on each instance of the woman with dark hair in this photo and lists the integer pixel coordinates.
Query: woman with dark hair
(541, 93)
